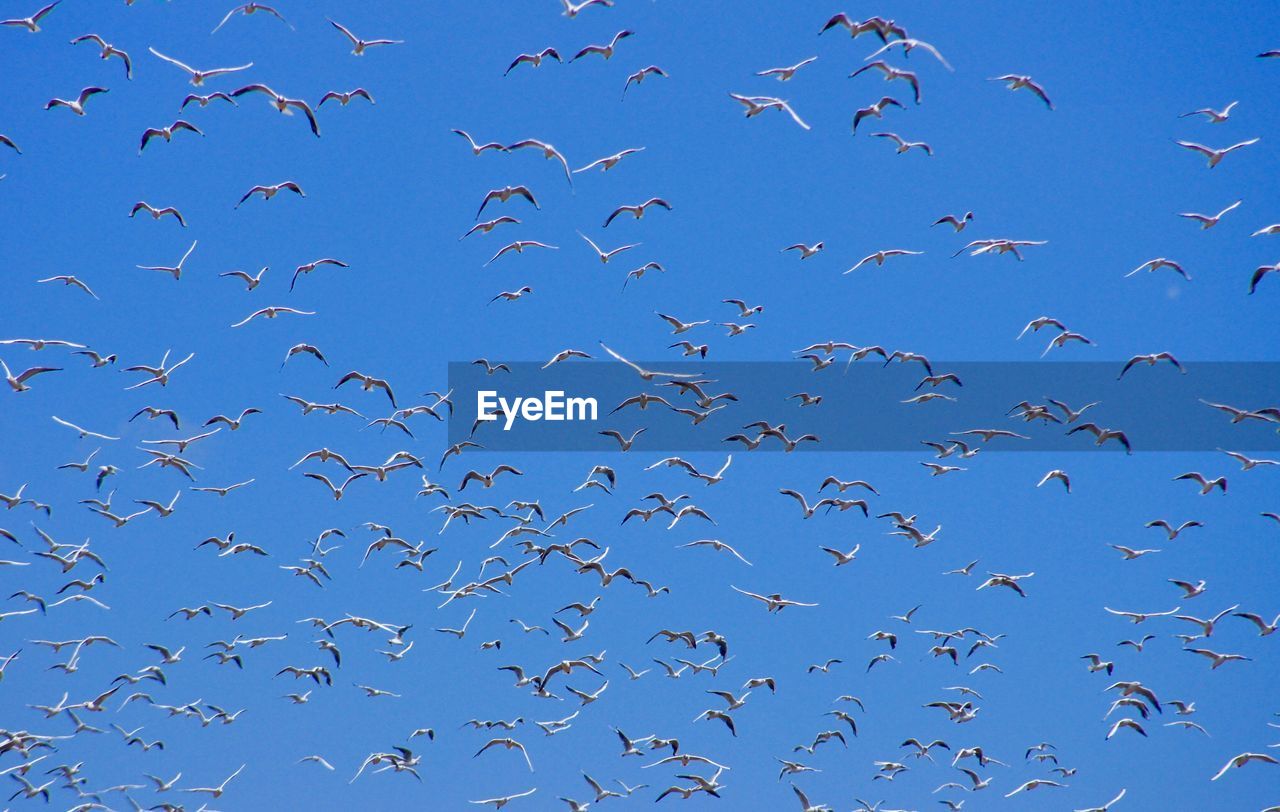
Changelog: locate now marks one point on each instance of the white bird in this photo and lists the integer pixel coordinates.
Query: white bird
(758, 104)
(271, 313)
(1214, 116)
(604, 50)
(198, 77)
(1215, 156)
(605, 256)
(106, 51)
(247, 9)
(1209, 221)
(806, 251)
(358, 46)
(32, 24)
(1243, 759)
(905, 145)
(879, 257)
(76, 105)
(1015, 81)
(786, 74)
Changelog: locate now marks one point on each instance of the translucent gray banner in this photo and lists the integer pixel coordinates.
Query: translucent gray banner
(577, 405)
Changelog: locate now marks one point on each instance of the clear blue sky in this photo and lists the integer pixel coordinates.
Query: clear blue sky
(389, 189)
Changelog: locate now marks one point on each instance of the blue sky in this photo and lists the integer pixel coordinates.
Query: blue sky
(389, 189)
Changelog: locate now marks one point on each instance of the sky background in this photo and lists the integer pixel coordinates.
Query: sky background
(389, 190)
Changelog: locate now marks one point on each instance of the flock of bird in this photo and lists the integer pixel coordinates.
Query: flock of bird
(72, 743)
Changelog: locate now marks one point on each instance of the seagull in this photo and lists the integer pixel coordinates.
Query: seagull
(890, 74)
(107, 51)
(1215, 156)
(903, 144)
(1059, 475)
(1207, 221)
(509, 744)
(76, 106)
(198, 77)
(572, 9)
(155, 213)
(908, 45)
(638, 77)
(534, 59)
(18, 383)
(604, 50)
(167, 132)
(610, 161)
(32, 24)
(69, 281)
(806, 251)
(758, 104)
(358, 45)
(1156, 264)
(957, 223)
(176, 270)
(876, 110)
(506, 193)
(345, 98)
(786, 74)
(248, 9)
(204, 101)
(283, 104)
(1243, 759)
(1262, 271)
(774, 602)
(269, 192)
(271, 313)
(498, 803)
(605, 256)
(1017, 82)
(1171, 531)
(1248, 463)
(1214, 116)
(636, 211)
(1151, 360)
(879, 257)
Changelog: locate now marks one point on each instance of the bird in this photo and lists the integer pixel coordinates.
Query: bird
(198, 77)
(251, 282)
(806, 251)
(69, 281)
(106, 51)
(157, 213)
(1015, 81)
(534, 59)
(285, 106)
(76, 105)
(1153, 265)
(248, 9)
(1206, 485)
(788, 73)
(603, 50)
(359, 46)
(639, 76)
(956, 223)
(1243, 759)
(269, 192)
(609, 161)
(1209, 221)
(1259, 273)
(18, 383)
(892, 74)
(636, 211)
(879, 257)
(905, 145)
(167, 132)
(271, 313)
(876, 110)
(1215, 156)
(755, 105)
(504, 194)
(1059, 475)
(344, 97)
